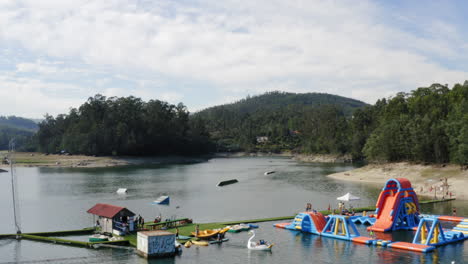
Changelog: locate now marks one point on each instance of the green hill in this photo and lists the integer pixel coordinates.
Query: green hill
(273, 101)
(18, 123)
(279, 121)
(21, 129)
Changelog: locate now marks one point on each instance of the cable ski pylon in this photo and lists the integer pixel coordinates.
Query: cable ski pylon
(14, 187)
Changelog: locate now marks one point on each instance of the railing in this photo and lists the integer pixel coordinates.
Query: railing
(168, 224)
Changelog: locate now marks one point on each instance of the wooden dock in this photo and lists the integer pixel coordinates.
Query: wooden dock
(51, 237)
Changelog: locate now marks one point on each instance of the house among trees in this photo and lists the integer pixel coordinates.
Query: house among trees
(262, 139)
(113, 219)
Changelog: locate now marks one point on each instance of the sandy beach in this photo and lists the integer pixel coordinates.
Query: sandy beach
(427, 180)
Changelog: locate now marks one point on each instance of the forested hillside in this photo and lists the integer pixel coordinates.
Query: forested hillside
(123, 126)
(18, 123)
(277, 121)
(427, 125)
(21, 129)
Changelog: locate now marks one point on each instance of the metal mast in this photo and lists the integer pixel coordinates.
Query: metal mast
(14, 186)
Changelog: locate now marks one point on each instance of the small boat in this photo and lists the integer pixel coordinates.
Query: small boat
(219, 241)
(206, 233)
(239, 228)
(98, 238)
(200, 243)
(223, 230)
(255, 246)
(253, 226)
(180, 237)
(269, 172)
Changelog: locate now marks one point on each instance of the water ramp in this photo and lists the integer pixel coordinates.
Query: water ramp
(223, 183)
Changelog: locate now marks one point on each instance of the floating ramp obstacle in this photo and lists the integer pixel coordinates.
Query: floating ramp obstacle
(122, 191)
(223, 183)
(162, 200)
(310, 222)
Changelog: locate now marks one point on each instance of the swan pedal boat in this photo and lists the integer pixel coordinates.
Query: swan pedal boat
(253, 245)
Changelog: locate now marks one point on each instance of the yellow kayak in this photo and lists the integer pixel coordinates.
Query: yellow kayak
(206, 233)
(200, 243)
(223, 230)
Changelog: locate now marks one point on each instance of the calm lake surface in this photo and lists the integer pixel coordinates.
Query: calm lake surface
(54, 199)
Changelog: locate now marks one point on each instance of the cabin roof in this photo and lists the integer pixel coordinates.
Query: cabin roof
(107, 210)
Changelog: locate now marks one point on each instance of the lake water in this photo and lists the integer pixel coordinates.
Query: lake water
(57, 199)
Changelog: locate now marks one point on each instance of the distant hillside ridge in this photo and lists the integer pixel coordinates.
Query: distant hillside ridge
(281, 121)
(277, 100)
(18, 123)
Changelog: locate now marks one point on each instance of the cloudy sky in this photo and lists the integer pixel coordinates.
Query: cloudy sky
(54, 54)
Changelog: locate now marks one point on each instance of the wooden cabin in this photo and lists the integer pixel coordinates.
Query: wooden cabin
(113, 219)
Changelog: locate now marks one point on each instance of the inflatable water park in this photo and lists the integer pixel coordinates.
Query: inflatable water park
(397, 208)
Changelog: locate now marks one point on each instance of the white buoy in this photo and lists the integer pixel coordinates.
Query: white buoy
(122, 191)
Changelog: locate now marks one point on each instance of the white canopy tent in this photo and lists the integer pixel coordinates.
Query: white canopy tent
(348, 197)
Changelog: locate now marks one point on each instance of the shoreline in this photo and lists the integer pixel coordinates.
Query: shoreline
(34, 159)
(427, 180)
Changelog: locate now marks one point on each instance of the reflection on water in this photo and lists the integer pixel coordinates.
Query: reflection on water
(57, 199)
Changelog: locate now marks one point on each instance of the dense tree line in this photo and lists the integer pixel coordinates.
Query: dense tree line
(429, 124)
(123, 126)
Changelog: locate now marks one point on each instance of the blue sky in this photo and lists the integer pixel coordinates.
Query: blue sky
(54, 54)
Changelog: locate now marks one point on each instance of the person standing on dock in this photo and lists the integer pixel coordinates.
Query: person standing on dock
(138, 221)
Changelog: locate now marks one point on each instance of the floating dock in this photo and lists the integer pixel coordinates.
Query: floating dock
(51, 237)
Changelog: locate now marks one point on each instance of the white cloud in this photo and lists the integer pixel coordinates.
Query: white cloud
(32, 98)
(301, 46)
